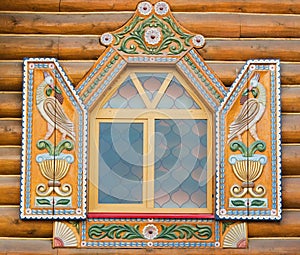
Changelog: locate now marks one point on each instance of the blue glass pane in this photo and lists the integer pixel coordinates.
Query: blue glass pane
(176, 97)
(151, 82)
(180, 163)
(126, 96)
(120, 163)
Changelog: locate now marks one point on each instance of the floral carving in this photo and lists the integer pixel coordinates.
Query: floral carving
(161, 8)
(106, 39)
(150, 231)
(198, 40)
(112, 231)
(144, 8)
(185, 231)
(148, 33)
(152, 36)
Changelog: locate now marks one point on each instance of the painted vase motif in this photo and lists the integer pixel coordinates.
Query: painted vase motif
(54, 166)
(248, 167)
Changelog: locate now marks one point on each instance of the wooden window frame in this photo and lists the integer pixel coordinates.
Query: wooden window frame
(147, 116)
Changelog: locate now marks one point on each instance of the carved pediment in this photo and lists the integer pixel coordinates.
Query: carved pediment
(152, 30)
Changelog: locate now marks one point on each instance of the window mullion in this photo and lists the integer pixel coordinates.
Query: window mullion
(150, 157)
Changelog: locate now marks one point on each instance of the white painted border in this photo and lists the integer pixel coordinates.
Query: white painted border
(23, 214)
(276, 216)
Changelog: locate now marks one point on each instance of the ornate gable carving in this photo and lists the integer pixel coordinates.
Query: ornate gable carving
(152, 31)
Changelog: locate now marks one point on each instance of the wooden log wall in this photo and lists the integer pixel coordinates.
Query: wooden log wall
(69, 30)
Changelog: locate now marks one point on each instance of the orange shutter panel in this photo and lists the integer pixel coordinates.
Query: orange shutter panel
(53, 184)
(249, 145)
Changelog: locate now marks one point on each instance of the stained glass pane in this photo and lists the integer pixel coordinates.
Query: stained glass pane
(126, 96)
(120, 163)
(180, 163)
(151, 82)
(176, 97)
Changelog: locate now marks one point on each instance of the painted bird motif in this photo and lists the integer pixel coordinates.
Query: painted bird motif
(52, 111)
(251, 112)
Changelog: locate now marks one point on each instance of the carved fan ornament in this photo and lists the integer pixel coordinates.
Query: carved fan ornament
(246, 120)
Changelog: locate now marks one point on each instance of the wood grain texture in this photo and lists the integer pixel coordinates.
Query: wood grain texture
(269, 26)
(261, 6)
(256, 247)
(240, 25)
(208, 24)
(11, 75)
(29, 5)
(87, 47)
(43, 247)
(290, 73)
(289, 226)
(264, 6)
(285, 50)
(291, 160)
(290, 128)
(19, 47)
(12, 226)
(9, 190)
(10, 160)
(27, 246)
(10, 105)
(10, 132)
(291, 192)
(47, 23)
(290, 101)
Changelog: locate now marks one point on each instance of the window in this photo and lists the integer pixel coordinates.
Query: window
(152, 146)
(156, 140)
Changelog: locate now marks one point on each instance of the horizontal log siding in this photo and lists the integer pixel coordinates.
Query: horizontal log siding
(69, 30)
(10, 105)
(11, 72)
(12, 226)
(9, 190)
(43, 247)
(88, 47)
(259, 6)
(10, 160)
(238, 25)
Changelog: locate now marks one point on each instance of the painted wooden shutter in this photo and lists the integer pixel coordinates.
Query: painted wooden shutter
(248, 141)
(54, 146)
